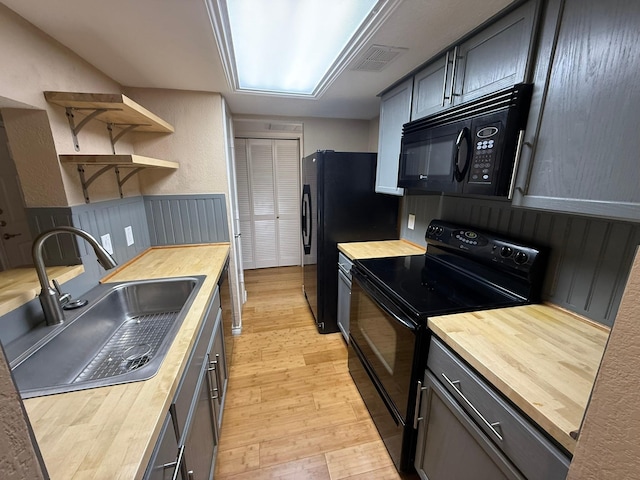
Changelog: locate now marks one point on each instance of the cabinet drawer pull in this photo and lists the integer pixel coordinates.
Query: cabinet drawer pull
(491, 426)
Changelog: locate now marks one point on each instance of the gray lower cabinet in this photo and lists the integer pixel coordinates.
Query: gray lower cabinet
(344, 294)
(189, 438)
(395, 111)
(218, 372)
(496, 57)
(582, 141)
(450, 445)
(467, 431)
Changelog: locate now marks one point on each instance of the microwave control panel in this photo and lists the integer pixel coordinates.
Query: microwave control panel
(485, 143)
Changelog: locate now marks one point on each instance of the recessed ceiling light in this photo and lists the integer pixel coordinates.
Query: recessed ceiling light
(292, 47)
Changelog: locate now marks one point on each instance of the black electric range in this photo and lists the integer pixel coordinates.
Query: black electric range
(463, 269)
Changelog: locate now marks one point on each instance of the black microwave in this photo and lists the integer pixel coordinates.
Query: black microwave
(468, 149)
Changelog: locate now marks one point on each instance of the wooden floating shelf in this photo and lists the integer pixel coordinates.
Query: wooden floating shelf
(113, 162)
(119, 109)
(120, 160)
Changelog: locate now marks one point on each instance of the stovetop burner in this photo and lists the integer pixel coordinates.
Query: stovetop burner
(455, 275)
(424, 286)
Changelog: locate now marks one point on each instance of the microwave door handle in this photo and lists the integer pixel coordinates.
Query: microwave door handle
(458, 173)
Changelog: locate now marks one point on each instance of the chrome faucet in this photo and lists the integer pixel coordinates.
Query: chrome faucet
(50, 299)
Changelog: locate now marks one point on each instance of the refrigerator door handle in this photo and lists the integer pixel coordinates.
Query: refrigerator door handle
(307, 225)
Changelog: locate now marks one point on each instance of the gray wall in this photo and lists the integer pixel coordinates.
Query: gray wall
(183, 219)
(98, 219)
(590, 258)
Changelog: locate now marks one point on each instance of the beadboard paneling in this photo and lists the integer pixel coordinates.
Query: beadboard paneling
(589, 259)
(184, 219)
(97, 219)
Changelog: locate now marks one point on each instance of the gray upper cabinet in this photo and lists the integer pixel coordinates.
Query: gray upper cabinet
(395, 111)
(430, 88)
(496, 57)
(583, 155)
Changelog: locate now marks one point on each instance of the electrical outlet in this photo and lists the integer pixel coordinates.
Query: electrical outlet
(106, 243)
(411, 224)
(128, 232)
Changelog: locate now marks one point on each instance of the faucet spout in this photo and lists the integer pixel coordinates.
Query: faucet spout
(49, 298)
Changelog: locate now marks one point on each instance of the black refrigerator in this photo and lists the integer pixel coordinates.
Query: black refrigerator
(339, 204)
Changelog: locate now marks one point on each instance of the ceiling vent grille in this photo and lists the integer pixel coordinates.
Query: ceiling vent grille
(376, 58)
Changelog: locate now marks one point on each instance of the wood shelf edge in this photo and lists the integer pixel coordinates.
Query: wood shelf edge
(118, 160)
(117, 101)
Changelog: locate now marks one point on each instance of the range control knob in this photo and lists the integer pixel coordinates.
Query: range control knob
(521, 258)
(431, 229)
(506, 252)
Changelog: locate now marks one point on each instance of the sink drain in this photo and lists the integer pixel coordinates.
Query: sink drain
(137, 356)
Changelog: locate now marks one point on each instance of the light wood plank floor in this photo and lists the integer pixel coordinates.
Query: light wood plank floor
(292, 410)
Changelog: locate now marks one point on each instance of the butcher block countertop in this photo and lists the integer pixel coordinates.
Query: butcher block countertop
(543, 358)
(110, 432)
(20, 285)
(380, 249)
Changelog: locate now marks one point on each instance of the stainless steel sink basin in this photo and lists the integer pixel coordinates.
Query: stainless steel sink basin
(121, 336)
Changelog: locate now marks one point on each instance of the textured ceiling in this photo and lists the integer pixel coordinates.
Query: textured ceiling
(170, 44)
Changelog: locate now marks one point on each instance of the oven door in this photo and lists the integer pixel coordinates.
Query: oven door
(385, 339)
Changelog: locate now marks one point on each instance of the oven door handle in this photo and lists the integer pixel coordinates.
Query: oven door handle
(381, 300)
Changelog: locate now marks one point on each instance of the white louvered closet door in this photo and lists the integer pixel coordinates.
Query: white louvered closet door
(268, 196)
(287, 161)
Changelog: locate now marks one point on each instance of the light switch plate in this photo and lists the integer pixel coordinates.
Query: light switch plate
(106, 243)
(128, 232)
(411, 224)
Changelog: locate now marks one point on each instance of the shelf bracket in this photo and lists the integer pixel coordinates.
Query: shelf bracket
(122, 181)
(75, 129)
(86, 182)
(126, 128)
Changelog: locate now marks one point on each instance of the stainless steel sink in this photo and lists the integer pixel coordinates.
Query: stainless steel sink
(121, 336)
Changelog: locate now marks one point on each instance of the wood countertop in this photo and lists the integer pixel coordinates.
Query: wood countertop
(543, 358)
(20, 285)
(380, 249)
(110, 432)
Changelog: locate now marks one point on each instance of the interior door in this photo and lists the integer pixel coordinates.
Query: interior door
(15, 237)
(268, 178)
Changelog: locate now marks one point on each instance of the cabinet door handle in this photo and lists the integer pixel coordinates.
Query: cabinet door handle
(217, 372)
(416, 409)
(491, 426)
(213, 367)
(453, 74)
(190, 475)
(444, 81)
(516, 164)
(177, 464)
